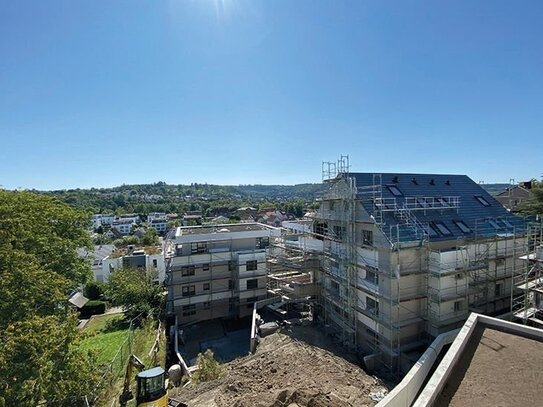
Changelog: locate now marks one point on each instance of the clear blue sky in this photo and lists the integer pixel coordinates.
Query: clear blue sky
(99, 93)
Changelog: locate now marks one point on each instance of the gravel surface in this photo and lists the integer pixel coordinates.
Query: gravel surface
(496, 369)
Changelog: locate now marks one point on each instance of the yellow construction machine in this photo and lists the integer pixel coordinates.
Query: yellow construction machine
(151, 386)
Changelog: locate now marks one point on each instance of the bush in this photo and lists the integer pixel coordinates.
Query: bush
(93, 290)
(208, 367)
(93, 308)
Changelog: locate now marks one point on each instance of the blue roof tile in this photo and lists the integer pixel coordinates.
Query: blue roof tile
(470, 210)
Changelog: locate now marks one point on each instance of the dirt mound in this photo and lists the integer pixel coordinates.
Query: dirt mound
(294, 368)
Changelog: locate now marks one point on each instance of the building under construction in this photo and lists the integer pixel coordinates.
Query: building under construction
(527, 286)
(217, 271)
(406, 257)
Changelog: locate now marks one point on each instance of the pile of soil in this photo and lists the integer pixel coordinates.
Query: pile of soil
(294, 368)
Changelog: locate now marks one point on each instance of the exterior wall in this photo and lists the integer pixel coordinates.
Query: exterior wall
(152, 263)
(229, 274)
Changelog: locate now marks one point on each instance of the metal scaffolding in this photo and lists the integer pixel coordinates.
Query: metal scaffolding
(527, 284)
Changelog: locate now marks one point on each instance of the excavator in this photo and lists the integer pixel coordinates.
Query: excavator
(151, 386)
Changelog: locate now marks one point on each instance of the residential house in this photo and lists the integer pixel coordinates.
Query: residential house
(513, 197)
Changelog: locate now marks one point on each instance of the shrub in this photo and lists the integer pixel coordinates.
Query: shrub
(93, 290)
(208, 367)
(93, 308)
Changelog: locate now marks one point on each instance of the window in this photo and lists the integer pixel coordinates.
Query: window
(332, 205)
(252, 265)
(462, 226)
(155, 263)
(372, 275)
(431, 231)
(482, 200)
(205, 267)
(262, 242)
(442, 201)
(394, 190)
(367, 237)
(187, 271)
(498, 289)
(422, 203)
(334, 286)
(252, 284)
(339, 232)
(189, 310)
(206, 305)
(494, 224)
(188, 290)
(199, 247)
(231, 284)
(444, 230)
(507, 224)
(231, 266)
(372, 306)
(372, 335)
(457, 306)
(206, 286)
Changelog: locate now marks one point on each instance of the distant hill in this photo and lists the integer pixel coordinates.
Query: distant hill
(495, 189)
(162, 197)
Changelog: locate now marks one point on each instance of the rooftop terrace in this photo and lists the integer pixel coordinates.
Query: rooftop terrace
(223, 228)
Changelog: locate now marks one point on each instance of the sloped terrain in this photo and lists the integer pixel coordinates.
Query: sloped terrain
(293, 368)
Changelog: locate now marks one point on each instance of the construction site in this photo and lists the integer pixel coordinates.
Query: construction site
(390, 263)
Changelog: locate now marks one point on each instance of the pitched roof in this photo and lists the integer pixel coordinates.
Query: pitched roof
(438, 199)
(78, 300)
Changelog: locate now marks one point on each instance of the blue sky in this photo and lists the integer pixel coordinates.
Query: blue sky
(100, 93)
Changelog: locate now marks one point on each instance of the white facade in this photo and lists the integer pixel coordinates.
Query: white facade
(217, 271)
(153, 263)
(124, 227)
(159, 224)
(101, 219)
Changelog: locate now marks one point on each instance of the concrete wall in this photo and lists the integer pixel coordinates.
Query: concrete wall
(406, 391)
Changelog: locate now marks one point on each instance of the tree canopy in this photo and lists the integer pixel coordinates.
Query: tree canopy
(135, 291)
(39, 357)
(534, 204)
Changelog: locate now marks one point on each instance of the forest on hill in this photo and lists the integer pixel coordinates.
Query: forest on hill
(211, 199)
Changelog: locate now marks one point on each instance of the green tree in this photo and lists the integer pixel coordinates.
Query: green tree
(39, 356)
(149, 238)
(534, 204)
(93, 290)
(134, 290)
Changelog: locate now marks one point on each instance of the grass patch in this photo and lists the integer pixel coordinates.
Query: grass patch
(104, 335)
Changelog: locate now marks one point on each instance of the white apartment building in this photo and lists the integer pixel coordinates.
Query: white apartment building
(150, 259)
(217, 271)
(102, 219)
(123, 226)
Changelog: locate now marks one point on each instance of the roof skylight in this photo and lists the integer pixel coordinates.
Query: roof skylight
(462, 226)
(444, 230)
(394, 190)
(482, 200)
